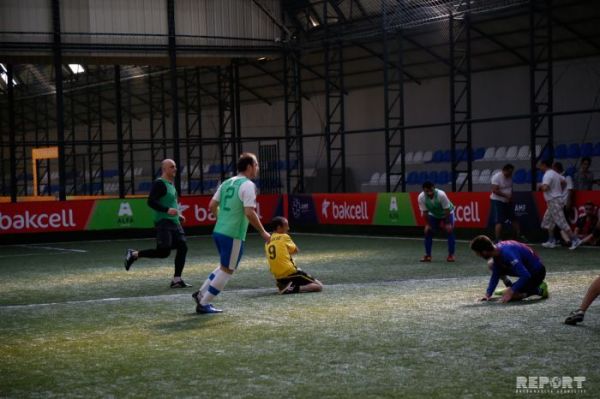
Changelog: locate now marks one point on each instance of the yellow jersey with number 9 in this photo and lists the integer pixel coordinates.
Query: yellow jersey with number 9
(279, 255)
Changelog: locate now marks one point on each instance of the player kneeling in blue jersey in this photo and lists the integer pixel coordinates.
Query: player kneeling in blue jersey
(289, 278)
(512, 258)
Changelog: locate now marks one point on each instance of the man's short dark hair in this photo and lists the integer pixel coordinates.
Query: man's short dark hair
(482, 243)
(246, 159)
(277, 221)
(508, 166)
(588, 159)
(428, 185)
(589, 203)
(558, 166)
(547, 162)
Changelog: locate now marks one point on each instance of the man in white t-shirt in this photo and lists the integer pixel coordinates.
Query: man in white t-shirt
(552, 186)
(501, 199)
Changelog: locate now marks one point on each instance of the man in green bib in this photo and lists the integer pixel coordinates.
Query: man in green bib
(167, 220)
(234, 206)
(439, 213)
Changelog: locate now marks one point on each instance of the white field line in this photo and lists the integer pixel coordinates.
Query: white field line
(208, 235)
(406, 238)
(53, 248)
(273, 290)
(32, 254)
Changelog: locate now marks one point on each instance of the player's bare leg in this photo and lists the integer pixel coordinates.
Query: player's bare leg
(591, 294)
(317, 286)
(498, 231)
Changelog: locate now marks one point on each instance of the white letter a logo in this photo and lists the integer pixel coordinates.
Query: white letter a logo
(125, 209)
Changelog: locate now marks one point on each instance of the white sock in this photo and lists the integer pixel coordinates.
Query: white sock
(215, 287)
(210, 278)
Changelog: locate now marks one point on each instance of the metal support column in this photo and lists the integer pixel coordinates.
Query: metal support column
(174, 92)
(42, 138)
(119, 127)
(127, 140)
(48, 168)
(12, 132)
(4, 132)
(58, 82)
(238, 109)
(393, 86)
(193, 130)
(334, 106)
(541, 127)
(94, 136)
(461, 148)
(294, 148)
(227, 136)
(22, 158)
(158, 126)
(70, 147)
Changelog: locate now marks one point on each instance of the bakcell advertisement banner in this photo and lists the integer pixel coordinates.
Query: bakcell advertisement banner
(44, 217)
(196, 211)
(345, 208)
(470, 209)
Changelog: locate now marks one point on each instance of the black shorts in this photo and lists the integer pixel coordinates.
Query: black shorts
(168, 234)
(502, 212)
(534, 282)
(298, 279)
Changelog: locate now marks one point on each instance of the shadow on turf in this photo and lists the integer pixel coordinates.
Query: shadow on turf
(192, 321)
(496, 302)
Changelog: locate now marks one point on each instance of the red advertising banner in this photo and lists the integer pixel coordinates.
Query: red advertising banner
(44, 217)
(470, 209)
(345, 208)
(196, 211)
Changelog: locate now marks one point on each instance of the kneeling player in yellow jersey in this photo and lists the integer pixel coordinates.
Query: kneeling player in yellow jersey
(290, 279)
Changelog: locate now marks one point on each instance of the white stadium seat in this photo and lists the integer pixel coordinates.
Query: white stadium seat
(374, 178)
(523, 153)
(489, 154)
(409, 157)
(500, 154)
(462, 176)
(418, 157)
(427, 156)
(511, 153)
(485, 176)
(382, 178)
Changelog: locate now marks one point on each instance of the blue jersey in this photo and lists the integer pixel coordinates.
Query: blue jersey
(516, 260)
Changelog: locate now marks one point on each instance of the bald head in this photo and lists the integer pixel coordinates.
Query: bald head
(168, 169)
(165, 164)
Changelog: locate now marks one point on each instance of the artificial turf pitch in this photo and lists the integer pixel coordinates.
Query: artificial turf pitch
(75, 324)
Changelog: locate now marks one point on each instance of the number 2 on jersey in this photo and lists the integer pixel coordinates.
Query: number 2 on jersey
(228, 195)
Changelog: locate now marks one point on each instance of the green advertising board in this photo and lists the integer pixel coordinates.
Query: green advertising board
(394, 209)
(121, 214)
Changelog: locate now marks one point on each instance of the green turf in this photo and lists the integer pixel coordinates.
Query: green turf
(385, 325)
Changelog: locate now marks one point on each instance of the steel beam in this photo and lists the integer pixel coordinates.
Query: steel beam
(58, 82)
(541, 93)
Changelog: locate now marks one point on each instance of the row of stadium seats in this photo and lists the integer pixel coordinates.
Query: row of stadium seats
(504, 153)
(483, 177)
